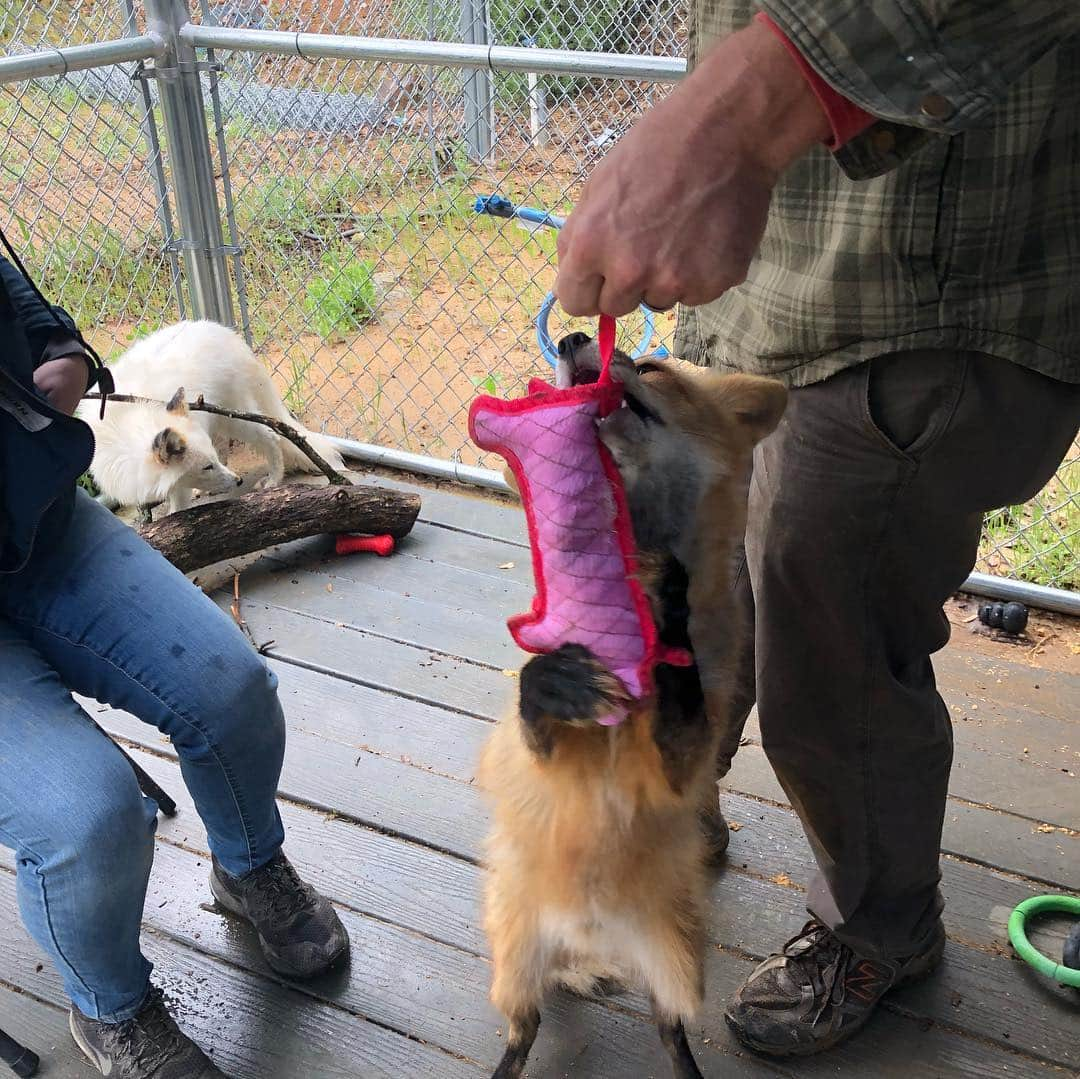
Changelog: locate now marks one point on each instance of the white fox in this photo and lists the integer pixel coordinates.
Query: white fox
(148, 454)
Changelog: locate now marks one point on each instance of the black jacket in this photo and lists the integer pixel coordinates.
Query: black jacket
(42, 451)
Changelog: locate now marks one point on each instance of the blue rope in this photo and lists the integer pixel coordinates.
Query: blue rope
(497, 206)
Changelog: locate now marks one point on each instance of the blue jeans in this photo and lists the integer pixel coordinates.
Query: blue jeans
(104, 615)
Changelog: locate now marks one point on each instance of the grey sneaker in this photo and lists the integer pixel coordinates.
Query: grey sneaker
(300, 933)
(150, 1046)
(817, 992)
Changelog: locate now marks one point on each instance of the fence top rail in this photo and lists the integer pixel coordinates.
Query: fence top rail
(604, 65)
(47, 62)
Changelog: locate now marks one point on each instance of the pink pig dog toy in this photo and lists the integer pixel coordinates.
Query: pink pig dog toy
(583, 552)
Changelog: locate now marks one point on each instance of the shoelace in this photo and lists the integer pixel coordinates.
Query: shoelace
(823, 964)
(157, 1036)
(280, 891)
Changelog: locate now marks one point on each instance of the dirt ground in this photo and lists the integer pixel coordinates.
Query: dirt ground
(1050, 642)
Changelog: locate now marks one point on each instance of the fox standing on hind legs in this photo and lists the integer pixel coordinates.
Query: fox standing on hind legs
(598, 860)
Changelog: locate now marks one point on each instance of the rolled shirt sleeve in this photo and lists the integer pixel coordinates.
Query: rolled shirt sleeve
(921, 67)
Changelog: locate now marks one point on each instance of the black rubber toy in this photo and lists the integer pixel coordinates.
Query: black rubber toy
(1011, 617)
(1070, 954)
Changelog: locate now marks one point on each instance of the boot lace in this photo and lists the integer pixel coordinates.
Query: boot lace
(821, 962)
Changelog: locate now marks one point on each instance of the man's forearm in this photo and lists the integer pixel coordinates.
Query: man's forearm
(675, 212)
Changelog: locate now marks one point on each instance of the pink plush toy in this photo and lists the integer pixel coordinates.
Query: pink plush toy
(583, 554)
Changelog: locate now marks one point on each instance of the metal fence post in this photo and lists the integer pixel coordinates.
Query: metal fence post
(479, 98)
(154, 161)
(202, 243)
(538, 110)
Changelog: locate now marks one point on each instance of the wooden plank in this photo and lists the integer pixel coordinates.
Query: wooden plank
(448, 744)
(385, 793)
(444, 618)
(419, 565)
(463, 509)
(375, 874)
(477, 605)
(369, 872)
(406, 982)
(427, 544)
(768, 841)
(1033, 789)
(765, 914)
(43, 1029)
(381, 723)
(345, 652)
(252, 1027)
(437, 995)
(410, 983)
(1011, 683)
(995, 838)
(1012, 730)
(1010, 696)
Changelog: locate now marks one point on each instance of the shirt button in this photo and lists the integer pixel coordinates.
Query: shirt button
(936, 107)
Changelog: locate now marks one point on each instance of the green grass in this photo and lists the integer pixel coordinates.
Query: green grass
(491, 384)
(1037, 545)
(370, 412)
(342, 298)
(101, 275)
(297, 387)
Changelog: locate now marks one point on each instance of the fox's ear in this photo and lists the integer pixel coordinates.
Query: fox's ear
(178, 404)
(756, 403)
(169, 445)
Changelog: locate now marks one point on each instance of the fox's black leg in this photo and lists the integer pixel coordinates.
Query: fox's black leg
(673, 1035)
(522, 1035)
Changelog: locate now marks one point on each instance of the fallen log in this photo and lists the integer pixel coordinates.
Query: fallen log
(215, 531)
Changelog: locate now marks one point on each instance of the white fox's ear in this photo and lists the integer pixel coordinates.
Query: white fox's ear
(178, 403)
(169, 445)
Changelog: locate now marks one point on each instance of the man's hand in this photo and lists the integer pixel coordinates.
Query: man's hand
(63, 381)
(676, 211)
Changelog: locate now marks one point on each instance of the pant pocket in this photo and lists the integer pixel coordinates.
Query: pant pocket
(910, 397)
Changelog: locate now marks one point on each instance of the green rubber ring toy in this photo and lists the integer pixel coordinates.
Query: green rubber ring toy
(1043, 904)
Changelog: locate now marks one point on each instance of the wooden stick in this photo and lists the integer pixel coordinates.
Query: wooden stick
(282, 428)
(238, 618)
(212, 532)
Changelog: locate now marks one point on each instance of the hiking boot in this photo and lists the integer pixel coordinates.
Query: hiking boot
(817, 992)
(150, 1046)
(300, 934)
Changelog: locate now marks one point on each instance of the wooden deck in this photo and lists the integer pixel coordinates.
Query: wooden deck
(391, 672)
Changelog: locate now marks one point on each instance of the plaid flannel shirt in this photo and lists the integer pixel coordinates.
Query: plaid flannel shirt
(952, 222)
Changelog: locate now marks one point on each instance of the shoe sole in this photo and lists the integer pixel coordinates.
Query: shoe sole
(924, 969)
(278, 965)
(102, 1065)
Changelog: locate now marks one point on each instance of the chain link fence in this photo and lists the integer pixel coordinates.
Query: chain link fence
(361, 275)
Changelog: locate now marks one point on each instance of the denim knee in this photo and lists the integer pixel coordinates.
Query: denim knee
(245, 709)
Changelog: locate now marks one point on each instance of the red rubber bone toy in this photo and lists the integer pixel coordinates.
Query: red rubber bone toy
(583, 552)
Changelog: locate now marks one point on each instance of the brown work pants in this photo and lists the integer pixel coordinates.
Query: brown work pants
(865, 513)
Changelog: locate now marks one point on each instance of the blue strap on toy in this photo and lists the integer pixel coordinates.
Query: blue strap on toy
(497, 206)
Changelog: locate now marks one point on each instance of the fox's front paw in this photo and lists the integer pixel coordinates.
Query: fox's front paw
(569, 686)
